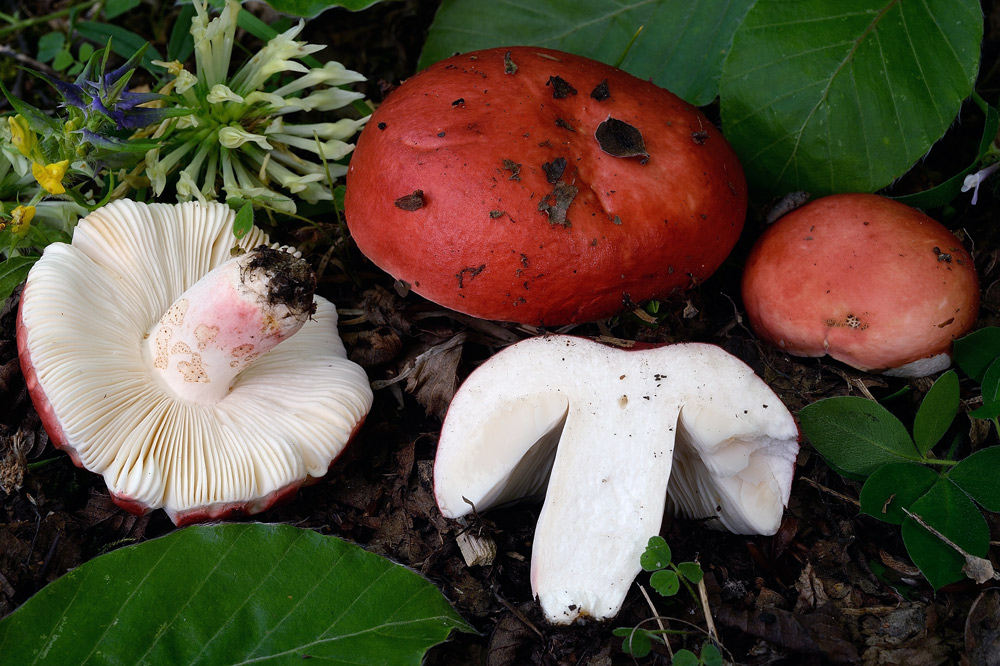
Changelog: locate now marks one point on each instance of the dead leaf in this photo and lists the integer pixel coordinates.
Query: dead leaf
(812, 595)
(513, 643)
(816, 633)
(982, 631)
(13, 462)
(898, 565)
(373, 347)
(432, 377)
(382, 308)
(101, 510)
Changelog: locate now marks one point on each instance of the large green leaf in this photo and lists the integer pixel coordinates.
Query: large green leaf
(856, 436)
(229, 594)
(845, 96)
(313, 8)
(681, 45)
(949, 511)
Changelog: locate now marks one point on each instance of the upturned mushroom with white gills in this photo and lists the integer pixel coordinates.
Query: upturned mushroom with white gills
(613, 437)
(153, 358)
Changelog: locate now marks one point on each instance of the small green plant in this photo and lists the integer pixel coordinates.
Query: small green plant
(206, 134)
(666, 577)
(936, 498)
(53, 48)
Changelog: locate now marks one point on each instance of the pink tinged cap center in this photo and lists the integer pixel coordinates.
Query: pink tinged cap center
(226, 320)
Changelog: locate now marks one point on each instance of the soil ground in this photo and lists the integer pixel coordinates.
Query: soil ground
(832, 586)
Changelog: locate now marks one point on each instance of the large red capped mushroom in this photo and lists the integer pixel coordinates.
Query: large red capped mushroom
(531, 185)
(868, 280)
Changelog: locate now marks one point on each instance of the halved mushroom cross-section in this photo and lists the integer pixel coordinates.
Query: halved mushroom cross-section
(613, 437)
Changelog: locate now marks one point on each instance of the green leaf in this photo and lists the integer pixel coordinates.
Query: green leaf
(977, 475)
(180, 46)
(692, 571)
(115, 8)
(666, 582)
(936, 412)
(856, 436)
(313, 8)
(950, 511)
(124, 42)
(894, 486)
(62, 60)
(685, 657)
(975, 353)
(635, 641)
(49, 45)
(243, 222)
(13, 271)
(656, 556)
(235, 593)
(710, 655)
(987, 411)
(845, 96)
(991, 383)
(990, 408)
(85, 51)
(681, 46)
(37, 120)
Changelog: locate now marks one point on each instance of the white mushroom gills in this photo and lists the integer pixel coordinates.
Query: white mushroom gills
(86, 317)
(227, 320)
(603, 431)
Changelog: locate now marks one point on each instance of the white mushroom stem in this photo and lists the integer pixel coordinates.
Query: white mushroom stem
(227, 320)
(601, 430)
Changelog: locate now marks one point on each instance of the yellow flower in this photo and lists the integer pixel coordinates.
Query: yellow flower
(20, 218)
(50, 176)
(22, 136)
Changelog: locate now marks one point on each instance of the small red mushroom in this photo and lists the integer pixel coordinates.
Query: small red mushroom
(868, 280)
(531, 185)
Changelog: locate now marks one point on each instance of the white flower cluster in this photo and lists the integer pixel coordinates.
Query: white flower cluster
(240, 130)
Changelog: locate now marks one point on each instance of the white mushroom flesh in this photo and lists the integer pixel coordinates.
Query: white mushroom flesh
(623, 416)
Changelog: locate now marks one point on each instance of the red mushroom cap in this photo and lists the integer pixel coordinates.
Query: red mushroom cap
(530, 185)
(868, 280)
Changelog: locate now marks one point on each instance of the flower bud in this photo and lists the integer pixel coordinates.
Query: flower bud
(22, 136)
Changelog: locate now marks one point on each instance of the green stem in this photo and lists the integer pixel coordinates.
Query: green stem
(41, 463)
(936, 461)
(20, 24)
